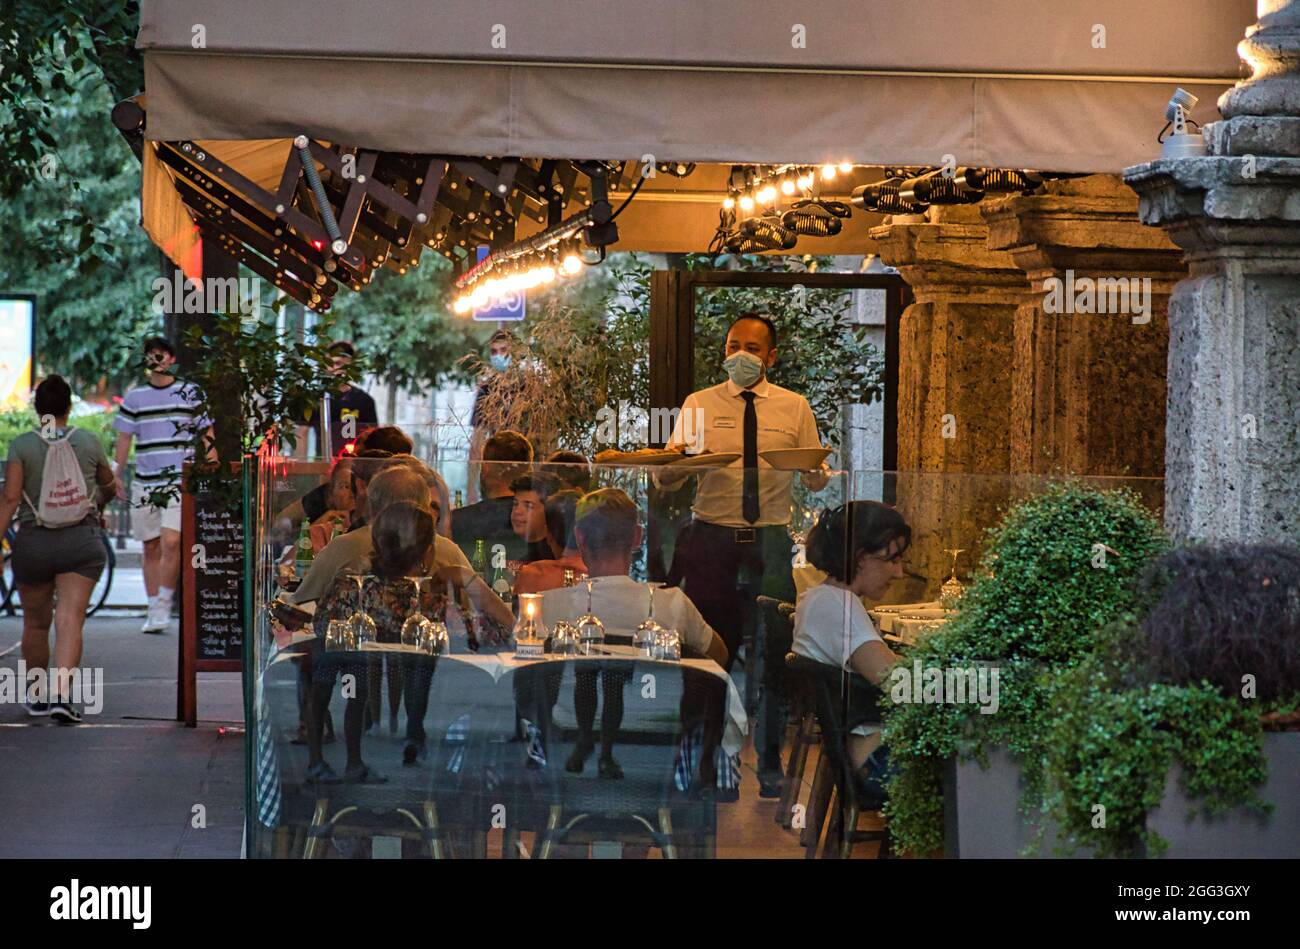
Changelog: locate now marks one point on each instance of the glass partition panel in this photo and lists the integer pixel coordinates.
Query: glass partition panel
(663, 658)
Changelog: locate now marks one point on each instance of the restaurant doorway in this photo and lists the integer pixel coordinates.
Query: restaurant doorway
(675, 295)
(681, 359)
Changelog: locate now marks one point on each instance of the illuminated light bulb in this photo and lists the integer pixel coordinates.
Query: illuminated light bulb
(461, 305)
(846, 166)
(787, 186)
(767, 195)
(805, 182)
(545, 274)
(746, 203)
(572, 264)
(828, 172)
(728, 202)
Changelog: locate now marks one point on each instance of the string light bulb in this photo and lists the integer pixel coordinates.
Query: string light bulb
(787, 186)
(846, 166)
(828, 172)
(746, 203)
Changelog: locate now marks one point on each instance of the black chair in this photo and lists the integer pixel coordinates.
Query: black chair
(838, 791)
(651, 803)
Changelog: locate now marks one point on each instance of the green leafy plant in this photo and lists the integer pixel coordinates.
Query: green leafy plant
(1111, 741)
(256, 385)
(1047, 588)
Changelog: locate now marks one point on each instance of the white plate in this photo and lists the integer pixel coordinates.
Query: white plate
(795, 459)
(709, 459)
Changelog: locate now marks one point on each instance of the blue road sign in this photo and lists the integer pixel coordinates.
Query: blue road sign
(508, 306)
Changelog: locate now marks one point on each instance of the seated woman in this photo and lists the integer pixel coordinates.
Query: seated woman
(403, 535)
(542, 575)
(860, 547)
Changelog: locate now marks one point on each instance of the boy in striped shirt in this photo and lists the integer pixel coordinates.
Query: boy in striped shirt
(162, 416)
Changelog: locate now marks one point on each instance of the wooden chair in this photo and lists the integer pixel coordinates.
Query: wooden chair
(836, 794)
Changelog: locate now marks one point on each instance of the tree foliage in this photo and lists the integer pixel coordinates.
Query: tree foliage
(70, 186)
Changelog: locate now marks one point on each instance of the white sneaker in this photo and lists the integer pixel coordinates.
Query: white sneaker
(159, 618)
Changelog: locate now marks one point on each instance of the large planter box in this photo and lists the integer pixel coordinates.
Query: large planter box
(982, 815)
(981, 811)
(1243, 832)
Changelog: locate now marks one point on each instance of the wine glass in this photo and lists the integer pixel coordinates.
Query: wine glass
(951, 591)
(363, 624)
(591, 631)
(338, 635)
(667, 644)
(564, 639)
(643, 639)
(417, 628)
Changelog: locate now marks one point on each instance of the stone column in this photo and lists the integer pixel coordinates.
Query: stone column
(1088, 376)
(954, 382)
(1232, 458)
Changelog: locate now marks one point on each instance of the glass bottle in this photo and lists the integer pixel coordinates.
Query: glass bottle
(304, 555)
(479, 561)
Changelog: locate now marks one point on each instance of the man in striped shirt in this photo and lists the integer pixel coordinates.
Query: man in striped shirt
(162, 416)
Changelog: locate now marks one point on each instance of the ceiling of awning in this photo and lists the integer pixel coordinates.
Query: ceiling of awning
(998, 83)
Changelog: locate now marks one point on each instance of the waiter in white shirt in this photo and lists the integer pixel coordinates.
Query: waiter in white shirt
(738, 545)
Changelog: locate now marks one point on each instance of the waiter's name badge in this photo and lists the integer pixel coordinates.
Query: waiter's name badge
(724, 421)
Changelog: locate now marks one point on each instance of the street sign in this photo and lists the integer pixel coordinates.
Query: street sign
(507, 307)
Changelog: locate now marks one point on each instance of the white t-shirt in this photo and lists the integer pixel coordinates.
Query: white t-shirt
(622, 604)
(830, 623)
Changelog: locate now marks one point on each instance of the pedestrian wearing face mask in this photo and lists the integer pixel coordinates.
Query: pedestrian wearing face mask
(738, 545)
(493, 384)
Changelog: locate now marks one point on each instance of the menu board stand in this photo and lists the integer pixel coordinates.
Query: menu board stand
(212, 597)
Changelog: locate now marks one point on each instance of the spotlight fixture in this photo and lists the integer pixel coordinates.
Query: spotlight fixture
(769, 232)
(995, 180)
(1181, 143)
(884, 197)
(935, 188)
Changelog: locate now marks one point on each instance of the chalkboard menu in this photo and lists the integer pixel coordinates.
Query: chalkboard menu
(214, 559)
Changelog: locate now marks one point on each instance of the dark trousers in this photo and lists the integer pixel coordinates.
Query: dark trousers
(722, 575)
(417, 676)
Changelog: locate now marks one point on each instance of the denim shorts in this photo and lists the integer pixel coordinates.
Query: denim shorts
(42, 553)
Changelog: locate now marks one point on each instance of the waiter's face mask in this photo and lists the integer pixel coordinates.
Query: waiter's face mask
(499, 361)
(744, 369)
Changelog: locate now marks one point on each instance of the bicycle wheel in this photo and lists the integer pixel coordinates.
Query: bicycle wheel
(105, 582)
(8, 603)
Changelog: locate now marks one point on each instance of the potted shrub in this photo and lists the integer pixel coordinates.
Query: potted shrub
(1179, 735)
(1059, 567)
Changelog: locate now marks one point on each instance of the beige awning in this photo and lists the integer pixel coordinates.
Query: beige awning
(1002, 83)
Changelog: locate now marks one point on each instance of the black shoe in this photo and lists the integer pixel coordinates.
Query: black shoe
(609, 768)
(413, 754)
(581, 752)
(65, 714)
(37, 709)
(769, 785)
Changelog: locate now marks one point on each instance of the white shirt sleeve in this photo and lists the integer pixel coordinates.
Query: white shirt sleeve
(695, 632)
(678, 437)
(808, 436)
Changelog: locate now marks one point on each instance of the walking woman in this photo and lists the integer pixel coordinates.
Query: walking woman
(56, 480)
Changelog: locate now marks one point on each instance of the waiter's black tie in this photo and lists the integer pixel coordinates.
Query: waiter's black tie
(749, 503)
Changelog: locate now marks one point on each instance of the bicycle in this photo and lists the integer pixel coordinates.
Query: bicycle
(98, 596)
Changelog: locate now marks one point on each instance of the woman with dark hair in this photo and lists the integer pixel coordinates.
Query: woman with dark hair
(58, 553)
(860, 547)
(403, 535)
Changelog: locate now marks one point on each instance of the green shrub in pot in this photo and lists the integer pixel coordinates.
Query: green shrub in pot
(1059, 567)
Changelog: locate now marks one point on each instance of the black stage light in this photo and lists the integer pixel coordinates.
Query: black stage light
(996, 180)
(768, 231)
(935, 188)
(884, 197)
(810, 222)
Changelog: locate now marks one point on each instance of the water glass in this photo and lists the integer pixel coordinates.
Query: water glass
(667, 645)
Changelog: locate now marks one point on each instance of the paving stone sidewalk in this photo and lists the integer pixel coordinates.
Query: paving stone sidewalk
(126, 782)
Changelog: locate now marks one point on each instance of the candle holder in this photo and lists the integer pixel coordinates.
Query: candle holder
(530, 632)
(950, 593)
